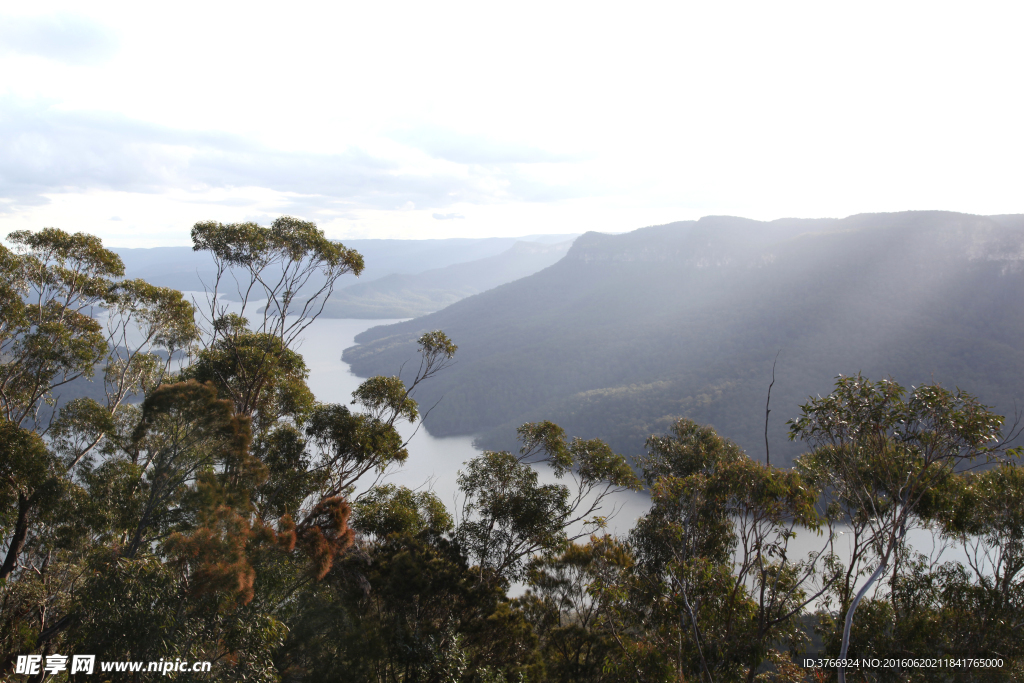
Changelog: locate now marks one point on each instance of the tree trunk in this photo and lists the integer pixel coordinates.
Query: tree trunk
(849, 618)
(18, 539)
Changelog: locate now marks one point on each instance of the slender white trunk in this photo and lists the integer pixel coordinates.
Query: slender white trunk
(849, 618)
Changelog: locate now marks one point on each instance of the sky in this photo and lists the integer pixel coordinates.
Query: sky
(133, 121)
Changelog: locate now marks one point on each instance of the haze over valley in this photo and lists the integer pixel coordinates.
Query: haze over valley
(511, 343)
(618, 336)
(628, 333)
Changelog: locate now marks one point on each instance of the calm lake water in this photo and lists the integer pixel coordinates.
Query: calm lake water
(434, 462)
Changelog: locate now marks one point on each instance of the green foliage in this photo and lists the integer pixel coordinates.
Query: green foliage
(291, 265)
(53, 282)
(435, 345)
(230, 517)
(409, 609)
(161, 312)
(508, 516)
(567, 606)
(382, 395)
(349, 445)
(678, 469)
(159, 529)
(389, 509)
(31, 486)
(250, 245)
(263, 377)
(713, 556)
(886, 461)
(133, 609)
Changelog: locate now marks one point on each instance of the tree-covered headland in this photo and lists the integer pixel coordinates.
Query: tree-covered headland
(629, 333)
(199, 503)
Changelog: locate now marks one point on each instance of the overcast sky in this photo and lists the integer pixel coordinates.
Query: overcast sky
(133, 121)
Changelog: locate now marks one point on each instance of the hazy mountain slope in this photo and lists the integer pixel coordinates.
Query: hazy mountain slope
(176, 267)
(384, 257)
(629, 332)
(407, 296)
(184, 269)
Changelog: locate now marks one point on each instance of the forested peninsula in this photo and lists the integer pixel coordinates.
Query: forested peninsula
(629, 333)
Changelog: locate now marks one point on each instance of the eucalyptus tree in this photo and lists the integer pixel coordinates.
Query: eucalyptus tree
(885, 457)
(984, 596)
(571, 604)
(508, 517)
(217, 500)
(713, 556)
(288, 269)
(66, 313)
(423, 597)
(270, 529)
(54, 286)
(311, 454)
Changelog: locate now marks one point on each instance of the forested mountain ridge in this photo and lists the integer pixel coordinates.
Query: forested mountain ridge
(631, 332)
(402, 295)
(186, 269)
(402, 278)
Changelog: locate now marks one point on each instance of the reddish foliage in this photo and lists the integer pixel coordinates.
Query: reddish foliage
(324, 534)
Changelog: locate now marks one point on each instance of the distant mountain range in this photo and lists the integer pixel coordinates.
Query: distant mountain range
(628, 333)
(443, 271)
(406, 296)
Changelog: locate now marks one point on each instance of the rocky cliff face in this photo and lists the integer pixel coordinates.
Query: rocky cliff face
(630, 332)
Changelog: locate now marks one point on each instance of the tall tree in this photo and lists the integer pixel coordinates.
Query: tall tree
(290, 268)
(883, 456)
(508, 517)
(714, 566)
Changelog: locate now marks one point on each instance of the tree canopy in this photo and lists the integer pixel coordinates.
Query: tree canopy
(205, 506)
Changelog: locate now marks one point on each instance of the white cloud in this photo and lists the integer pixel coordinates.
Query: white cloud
(469, 148)
(44, 150)
(70, 39)
(561, 115)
